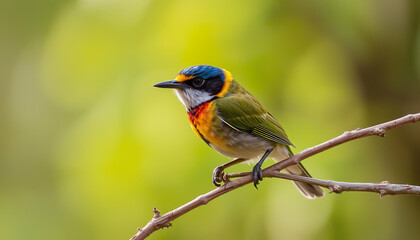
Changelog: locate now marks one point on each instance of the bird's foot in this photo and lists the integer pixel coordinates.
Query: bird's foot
(218, 176)
(257, 175)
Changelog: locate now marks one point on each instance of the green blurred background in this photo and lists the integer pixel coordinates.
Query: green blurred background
(88, 146)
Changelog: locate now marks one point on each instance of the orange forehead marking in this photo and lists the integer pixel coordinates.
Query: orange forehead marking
(226, 85)
(183, 78)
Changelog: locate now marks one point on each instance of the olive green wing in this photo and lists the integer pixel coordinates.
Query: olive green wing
(244, 113)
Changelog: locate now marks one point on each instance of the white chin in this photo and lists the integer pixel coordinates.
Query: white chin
(191, 98)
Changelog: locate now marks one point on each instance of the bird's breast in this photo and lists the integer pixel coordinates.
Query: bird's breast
(208, 126)
(204, 121)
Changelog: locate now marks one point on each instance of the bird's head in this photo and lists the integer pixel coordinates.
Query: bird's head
(198, 84)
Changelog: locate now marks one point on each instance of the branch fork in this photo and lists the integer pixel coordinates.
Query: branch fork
(382, 188)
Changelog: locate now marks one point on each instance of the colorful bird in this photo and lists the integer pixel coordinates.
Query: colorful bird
(234, 123)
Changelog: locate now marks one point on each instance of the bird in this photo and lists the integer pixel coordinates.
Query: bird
(234, 123)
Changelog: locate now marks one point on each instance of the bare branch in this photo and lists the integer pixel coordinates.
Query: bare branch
(378, 130)
(383, 188)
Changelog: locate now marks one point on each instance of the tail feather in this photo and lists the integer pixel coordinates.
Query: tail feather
(307, 190)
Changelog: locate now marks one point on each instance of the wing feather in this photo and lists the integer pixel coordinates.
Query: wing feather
(246, 114)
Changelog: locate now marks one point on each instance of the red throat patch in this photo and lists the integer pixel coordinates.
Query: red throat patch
(200, 119)
(204, 122)
(195, 114)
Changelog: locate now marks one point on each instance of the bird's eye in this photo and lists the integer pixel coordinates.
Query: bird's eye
(198, 82)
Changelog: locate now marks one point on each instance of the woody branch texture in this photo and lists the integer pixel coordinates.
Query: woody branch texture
(384, 188)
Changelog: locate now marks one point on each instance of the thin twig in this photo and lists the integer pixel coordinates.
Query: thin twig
(378, 130)
(159, 222)
(383, 188)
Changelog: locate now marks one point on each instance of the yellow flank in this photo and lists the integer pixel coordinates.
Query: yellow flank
(226, 85)
(203, 123)
(183, 78)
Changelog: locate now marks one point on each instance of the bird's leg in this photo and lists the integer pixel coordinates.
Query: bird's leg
(218, 174)
(256, 171)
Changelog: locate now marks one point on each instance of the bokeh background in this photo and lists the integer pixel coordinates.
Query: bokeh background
(88, 146)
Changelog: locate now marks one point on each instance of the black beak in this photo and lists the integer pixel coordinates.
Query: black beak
(171, 84)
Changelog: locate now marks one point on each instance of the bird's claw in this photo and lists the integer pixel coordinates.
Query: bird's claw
(257, 175)
(218, 175)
